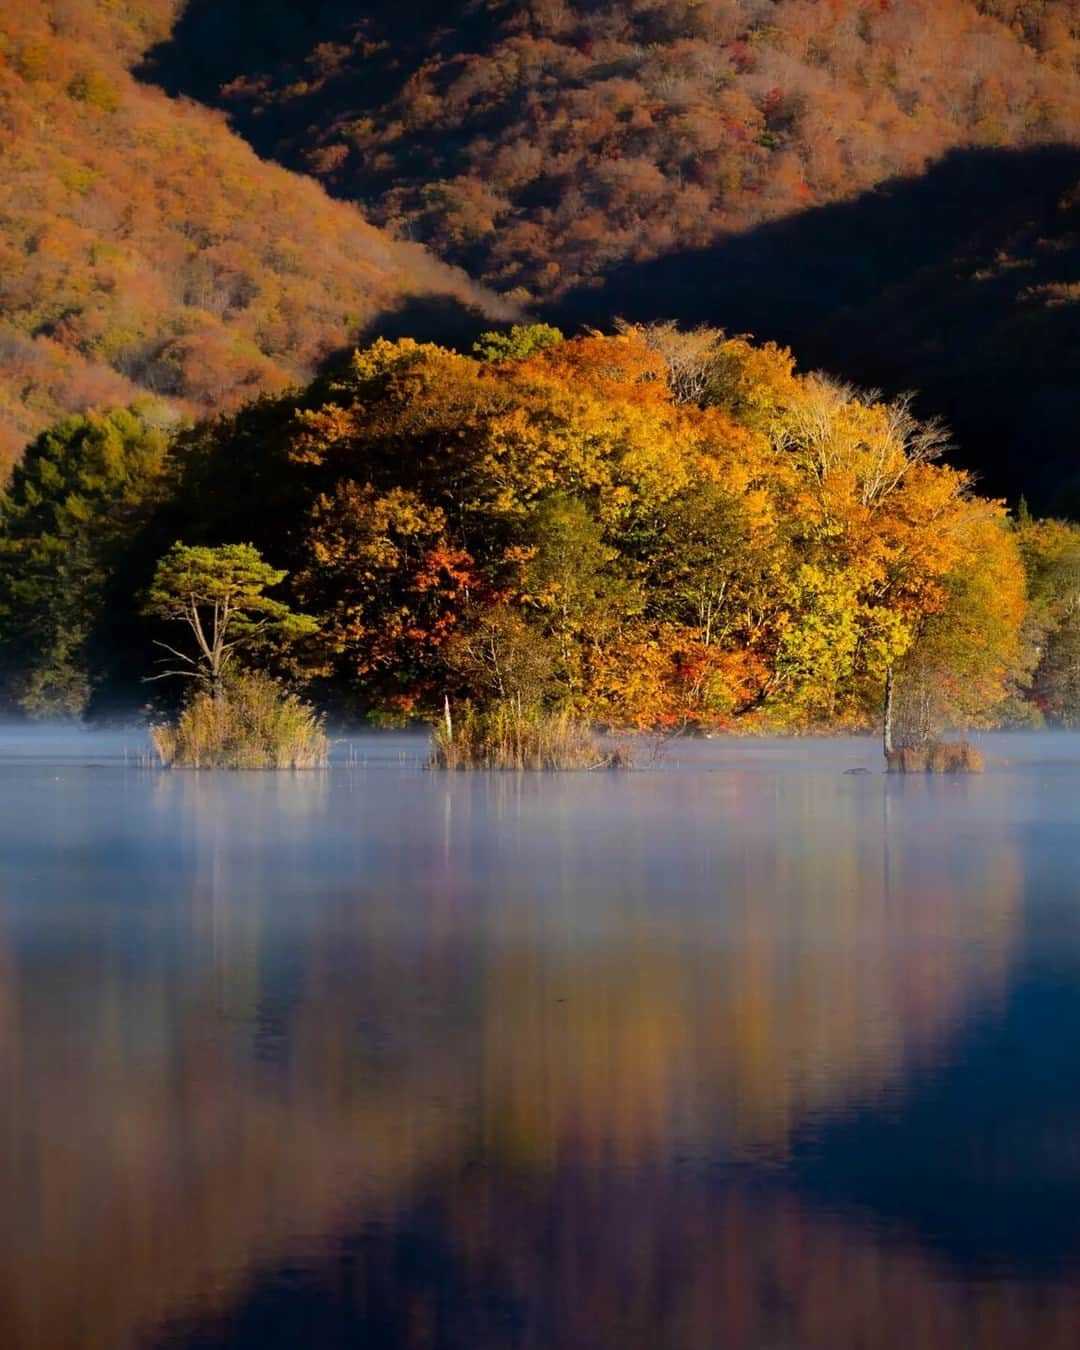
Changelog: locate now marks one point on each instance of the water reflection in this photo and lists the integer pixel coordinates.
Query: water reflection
(377, 1057)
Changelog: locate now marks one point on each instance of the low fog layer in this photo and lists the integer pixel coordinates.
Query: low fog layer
(72, 743)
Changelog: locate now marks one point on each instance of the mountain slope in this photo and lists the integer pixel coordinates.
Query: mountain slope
(540, 142)
(145, 248)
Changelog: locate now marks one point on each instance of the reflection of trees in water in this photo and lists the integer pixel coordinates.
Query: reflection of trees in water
(818, 978)
(298, 1052)
(581, 1260)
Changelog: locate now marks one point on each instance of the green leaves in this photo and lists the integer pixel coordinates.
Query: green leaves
(519, 343)
(220, 594)
(82, 490)
(234, 574)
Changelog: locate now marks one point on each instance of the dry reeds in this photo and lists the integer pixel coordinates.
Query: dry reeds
(937, 757)
(252, 724)
(509, 736)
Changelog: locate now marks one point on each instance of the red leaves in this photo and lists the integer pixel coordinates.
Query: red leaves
(773, 102)
(742, 56)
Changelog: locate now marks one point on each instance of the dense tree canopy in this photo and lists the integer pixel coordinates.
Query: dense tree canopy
(69, 522)
(650, 528)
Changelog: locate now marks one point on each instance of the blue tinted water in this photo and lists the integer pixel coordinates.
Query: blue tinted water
(740, 1050)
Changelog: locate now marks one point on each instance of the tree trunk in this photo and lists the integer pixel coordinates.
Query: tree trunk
(887, 713)
(449, 721)
(217, 676)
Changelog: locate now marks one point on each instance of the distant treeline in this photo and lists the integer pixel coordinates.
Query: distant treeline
(652, 528)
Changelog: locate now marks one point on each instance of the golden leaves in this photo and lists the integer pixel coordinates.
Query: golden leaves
(773, 553)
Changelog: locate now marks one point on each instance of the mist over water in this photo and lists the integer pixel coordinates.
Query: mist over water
(738, 1050)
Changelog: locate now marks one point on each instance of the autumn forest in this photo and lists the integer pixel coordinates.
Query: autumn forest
(494, 329)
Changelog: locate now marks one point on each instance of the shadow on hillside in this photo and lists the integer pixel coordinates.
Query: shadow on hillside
(428, 318)
(928, 283)
(435, 318)
(217, 41)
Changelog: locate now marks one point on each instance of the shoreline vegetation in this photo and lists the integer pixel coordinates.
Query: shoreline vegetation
(253, 723)
(258, 725)
(510, 736)
(949, 757)
(649, 530)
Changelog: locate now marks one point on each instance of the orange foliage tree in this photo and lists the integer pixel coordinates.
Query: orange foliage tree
(769, 552)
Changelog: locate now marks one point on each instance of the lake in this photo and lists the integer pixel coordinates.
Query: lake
(740, 1050)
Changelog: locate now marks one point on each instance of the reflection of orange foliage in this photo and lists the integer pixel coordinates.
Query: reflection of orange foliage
(637, 1262)
(770, 1035)
(165, 1154)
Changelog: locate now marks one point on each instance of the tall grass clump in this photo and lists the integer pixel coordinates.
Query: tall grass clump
(253, 723)
(937, 757)
(507, 735)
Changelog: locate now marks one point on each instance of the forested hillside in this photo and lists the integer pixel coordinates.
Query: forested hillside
(539, 142)
(145, 248)
(887, 185)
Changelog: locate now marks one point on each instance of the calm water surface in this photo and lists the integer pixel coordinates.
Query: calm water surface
(739, 1051)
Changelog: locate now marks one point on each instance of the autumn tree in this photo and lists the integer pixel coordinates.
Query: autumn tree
(1057, 679)
(1051, 553)
(574, 585)
(497, 655)
(967, 651)
(693, 357)
(390, 588)
(703, 561)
